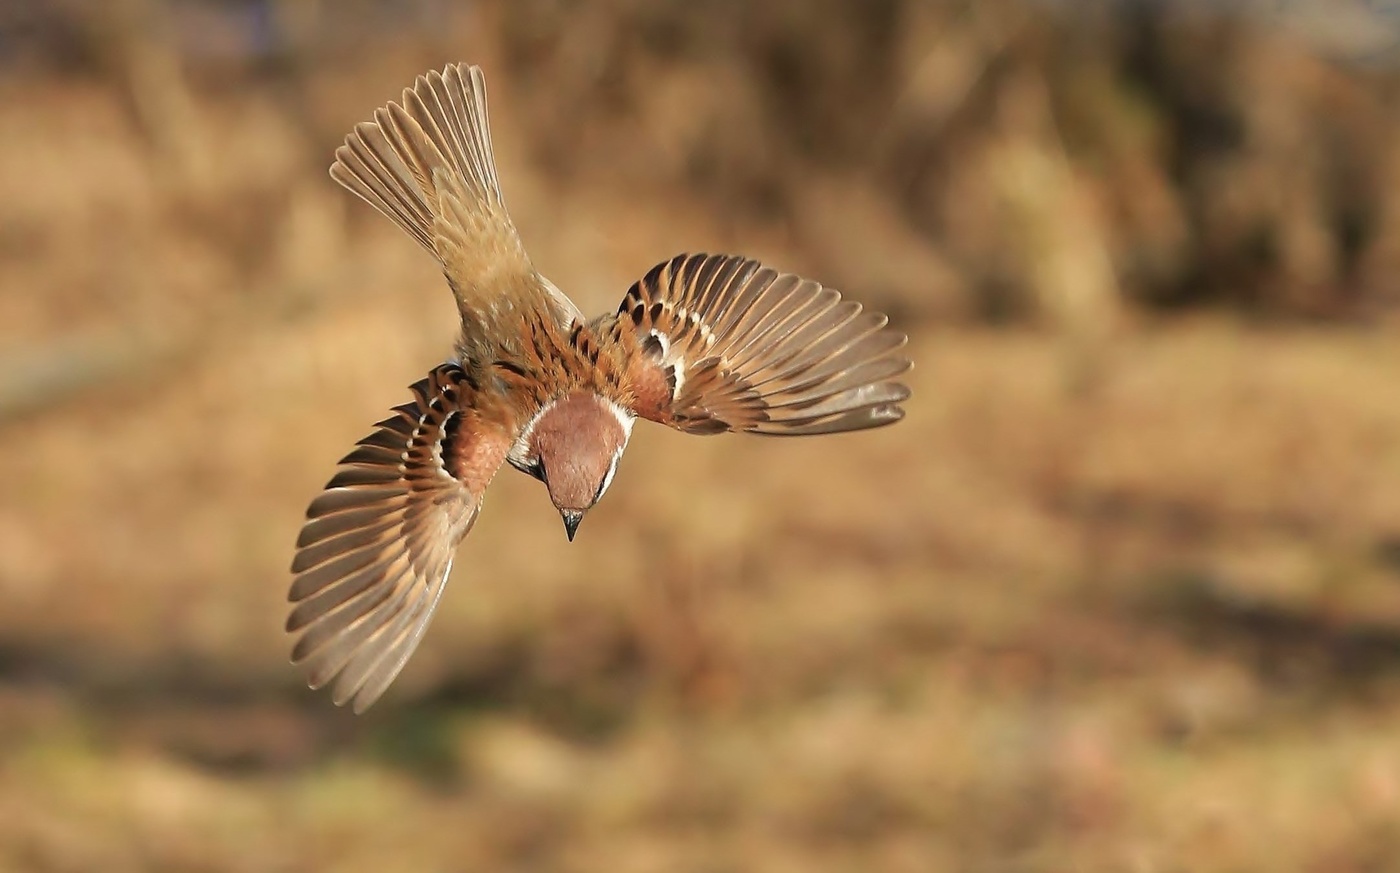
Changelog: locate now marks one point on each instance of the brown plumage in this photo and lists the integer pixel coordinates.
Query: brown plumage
(703, 343)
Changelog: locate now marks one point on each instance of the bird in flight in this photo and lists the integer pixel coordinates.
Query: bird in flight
(702, 343)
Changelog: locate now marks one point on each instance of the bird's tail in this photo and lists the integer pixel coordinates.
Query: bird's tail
(401, 161)
(427, 164)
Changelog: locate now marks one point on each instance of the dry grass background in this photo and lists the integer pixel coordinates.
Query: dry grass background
(1121, 594)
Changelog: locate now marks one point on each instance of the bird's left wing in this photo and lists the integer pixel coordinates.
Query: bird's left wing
(378, 543)
(727, 344)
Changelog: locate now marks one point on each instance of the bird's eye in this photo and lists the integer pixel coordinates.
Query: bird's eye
(533, 468)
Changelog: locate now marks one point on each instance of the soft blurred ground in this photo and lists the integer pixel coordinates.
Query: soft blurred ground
(1121, 594)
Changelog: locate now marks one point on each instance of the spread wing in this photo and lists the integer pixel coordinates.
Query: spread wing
(728, 344)
(427, 164)
(377, 546)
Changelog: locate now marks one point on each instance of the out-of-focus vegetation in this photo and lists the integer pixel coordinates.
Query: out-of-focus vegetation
(1121, 594)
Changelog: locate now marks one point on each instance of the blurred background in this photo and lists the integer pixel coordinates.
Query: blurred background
(1121, 594)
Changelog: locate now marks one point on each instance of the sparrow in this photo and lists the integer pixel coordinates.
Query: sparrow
(705, 344)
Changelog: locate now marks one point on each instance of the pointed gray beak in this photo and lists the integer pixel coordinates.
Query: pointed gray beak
(571, 520)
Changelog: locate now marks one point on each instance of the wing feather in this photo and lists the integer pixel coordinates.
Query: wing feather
(375, 552)
(736, 345)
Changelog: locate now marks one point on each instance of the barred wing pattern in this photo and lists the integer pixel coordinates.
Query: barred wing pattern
(731, 345)
(377, 547)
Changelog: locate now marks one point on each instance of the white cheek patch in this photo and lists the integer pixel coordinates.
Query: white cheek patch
(607, 480)
(520, 449)
(625, 419)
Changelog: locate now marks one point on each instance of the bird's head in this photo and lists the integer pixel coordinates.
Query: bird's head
(573, 448)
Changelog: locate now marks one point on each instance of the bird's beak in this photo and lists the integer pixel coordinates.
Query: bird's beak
(571, 520)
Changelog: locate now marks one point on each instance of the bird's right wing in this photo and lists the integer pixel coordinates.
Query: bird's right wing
(427, 164)
(727, 344)
(377, 546)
